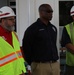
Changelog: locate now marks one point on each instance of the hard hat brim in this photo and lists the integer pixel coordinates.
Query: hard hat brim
(7, 16)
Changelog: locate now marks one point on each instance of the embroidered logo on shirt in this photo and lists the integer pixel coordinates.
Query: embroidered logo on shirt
(41, 29)
(54, 29)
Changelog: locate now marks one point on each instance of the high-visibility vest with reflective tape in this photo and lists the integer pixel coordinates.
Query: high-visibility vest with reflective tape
(69, 55)
(11, 60)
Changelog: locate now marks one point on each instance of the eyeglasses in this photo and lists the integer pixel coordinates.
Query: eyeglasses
(11, 19)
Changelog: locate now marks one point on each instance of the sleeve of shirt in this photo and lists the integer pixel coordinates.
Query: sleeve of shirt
(65, 38)
(26, 45)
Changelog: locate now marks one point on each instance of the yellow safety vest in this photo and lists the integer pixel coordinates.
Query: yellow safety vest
(69, 55)
(11, 60)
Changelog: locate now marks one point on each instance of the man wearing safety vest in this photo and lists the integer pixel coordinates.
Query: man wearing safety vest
(11, 60)
(68, 42)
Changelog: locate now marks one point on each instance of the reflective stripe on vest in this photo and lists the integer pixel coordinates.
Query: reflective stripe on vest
(9, 58)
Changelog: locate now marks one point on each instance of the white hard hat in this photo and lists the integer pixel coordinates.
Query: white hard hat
(72, 11)
(6, 12)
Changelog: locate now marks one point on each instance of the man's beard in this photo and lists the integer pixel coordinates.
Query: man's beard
(9, 28)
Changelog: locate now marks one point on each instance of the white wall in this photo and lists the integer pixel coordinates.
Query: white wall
(27, 13)
(22, 11)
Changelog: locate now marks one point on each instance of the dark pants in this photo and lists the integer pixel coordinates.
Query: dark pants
(69, 70)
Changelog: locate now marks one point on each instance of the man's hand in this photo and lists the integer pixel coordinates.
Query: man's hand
(70, 47)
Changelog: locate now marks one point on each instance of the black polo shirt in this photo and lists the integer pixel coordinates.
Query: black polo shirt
(39, 42)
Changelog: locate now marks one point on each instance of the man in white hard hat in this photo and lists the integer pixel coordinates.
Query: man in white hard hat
(11, 60)
(68, 42)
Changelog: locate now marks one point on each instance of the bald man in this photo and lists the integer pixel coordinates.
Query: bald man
(39, 44)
